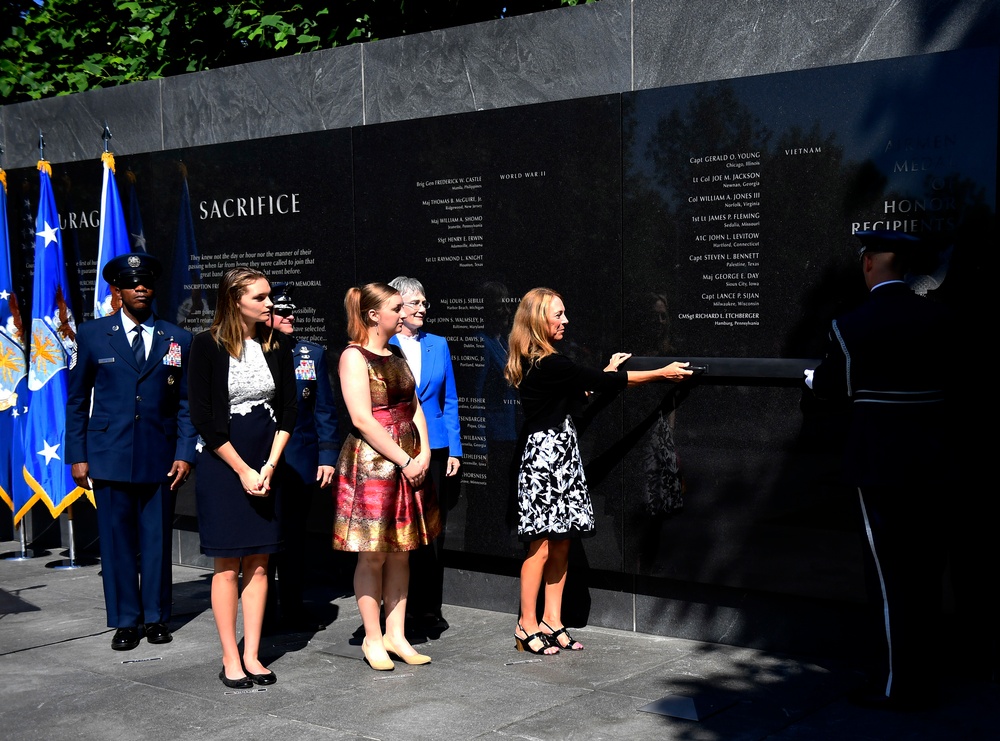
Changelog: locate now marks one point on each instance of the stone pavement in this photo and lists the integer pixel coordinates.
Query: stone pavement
(59, 679)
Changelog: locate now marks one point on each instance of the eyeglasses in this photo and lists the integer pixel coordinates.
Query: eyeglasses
(417, 304)
(282, 310)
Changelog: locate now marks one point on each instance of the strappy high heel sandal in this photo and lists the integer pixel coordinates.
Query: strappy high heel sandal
(524, 644)
(571, 644)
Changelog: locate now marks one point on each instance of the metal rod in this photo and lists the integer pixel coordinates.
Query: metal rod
(24, 554)
(23, 538)
(106, 135)
(41, 145)
(69, 531)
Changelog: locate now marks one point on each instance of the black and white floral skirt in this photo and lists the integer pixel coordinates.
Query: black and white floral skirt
(552, 497)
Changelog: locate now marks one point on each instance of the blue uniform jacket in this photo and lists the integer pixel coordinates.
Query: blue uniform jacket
(139, 424)
(880, 356)
(437, 394)
(314, 440)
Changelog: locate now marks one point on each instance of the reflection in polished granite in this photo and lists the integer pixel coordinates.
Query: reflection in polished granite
(763, 507)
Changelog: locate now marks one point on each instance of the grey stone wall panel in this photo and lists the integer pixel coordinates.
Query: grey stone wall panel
(555, 55)
(73, 124)
(680, 43)
(290, 95)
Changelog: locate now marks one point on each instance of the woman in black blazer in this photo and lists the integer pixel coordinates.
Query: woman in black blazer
(241, 386)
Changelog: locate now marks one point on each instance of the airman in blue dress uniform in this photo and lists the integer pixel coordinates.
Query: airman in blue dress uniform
(129, 438)
(309, 459)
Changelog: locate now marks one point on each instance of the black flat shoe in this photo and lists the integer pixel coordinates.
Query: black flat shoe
(126, 639)
(263, 679)
(243, 683)
(875, 700)
(158, 633)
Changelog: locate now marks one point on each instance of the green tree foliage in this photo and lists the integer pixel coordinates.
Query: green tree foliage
(57, 47)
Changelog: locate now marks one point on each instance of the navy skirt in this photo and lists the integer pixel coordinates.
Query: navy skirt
(231, 522)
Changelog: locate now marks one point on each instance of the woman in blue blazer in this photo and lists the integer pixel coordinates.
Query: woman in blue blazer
(429, 359)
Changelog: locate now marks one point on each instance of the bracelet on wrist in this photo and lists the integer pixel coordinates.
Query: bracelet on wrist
(268, 463)
(408, 462)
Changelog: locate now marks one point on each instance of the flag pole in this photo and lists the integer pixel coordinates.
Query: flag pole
(48, 483)
(24, 554)
(73, 563)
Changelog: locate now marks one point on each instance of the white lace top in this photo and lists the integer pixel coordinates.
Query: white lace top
(250, 380)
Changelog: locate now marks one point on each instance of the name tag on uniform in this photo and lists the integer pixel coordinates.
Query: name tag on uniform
(173, 356)
(305, 371)
(105, 360)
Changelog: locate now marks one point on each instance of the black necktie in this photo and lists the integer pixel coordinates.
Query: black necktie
(139, 347)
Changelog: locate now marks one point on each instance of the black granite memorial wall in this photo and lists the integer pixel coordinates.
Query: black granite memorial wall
(481, 208)
(740, 201)
(710, 221)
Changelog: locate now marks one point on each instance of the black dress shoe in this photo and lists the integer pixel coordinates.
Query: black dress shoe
(243, 683)
(158, 633)
(881, 701)
(262, 679)
(126, 639)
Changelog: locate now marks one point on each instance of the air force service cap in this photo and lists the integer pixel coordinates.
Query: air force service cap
(283, 304)
(131, 269)
(886, 240)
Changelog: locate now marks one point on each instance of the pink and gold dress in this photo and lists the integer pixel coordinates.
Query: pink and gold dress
(377, 508)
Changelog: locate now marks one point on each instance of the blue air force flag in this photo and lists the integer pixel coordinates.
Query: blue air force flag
(187, 302)
(113, 239)
(52, 343)
(135, 231)
(13, 368)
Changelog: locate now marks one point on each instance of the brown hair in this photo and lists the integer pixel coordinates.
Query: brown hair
(358, 302)
(227, 325)
(529, 337)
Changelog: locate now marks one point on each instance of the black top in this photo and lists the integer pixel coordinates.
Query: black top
(556, 386)
(208, 387)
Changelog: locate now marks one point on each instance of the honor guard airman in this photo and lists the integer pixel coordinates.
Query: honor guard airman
(884, 357)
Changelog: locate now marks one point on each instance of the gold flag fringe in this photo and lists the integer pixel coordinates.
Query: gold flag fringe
(44, 165)
(109, 159)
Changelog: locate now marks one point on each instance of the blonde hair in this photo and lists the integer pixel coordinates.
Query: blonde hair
(227, 325)
(358, 302)
(529, 337)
